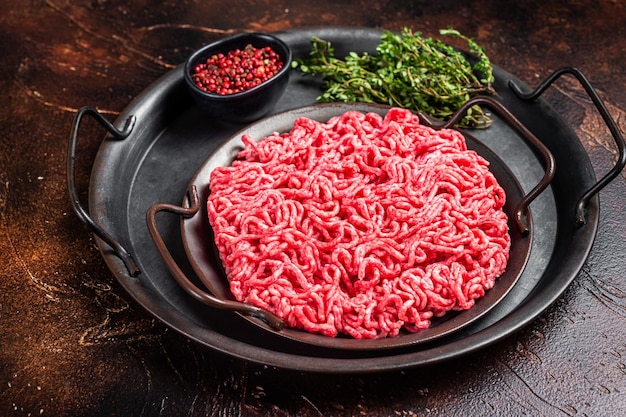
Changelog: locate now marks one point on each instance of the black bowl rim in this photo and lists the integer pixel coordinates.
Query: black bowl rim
(285, 53)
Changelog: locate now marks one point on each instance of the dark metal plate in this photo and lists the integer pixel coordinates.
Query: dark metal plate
(172, 138)
(201, 251)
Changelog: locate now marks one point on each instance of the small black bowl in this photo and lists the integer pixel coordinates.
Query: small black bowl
(245, 106)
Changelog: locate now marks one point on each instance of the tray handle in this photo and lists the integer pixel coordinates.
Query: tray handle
(581, 206)
(82, 214)
(194, 206)
(521, 209)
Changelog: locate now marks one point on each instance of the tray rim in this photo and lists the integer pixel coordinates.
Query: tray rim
(513, 322)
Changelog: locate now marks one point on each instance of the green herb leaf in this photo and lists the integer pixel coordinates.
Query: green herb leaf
(408, 70)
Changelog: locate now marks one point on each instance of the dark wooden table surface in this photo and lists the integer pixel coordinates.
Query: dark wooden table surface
(73, 343)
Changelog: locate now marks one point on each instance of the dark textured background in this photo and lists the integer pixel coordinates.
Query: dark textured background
(72, 343)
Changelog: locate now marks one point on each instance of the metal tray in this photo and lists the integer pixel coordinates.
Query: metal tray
(156, 145)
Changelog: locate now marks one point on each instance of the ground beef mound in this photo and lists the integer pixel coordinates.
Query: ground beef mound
(362, 226)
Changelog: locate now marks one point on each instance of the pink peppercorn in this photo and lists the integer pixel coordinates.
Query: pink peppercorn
(239, 70)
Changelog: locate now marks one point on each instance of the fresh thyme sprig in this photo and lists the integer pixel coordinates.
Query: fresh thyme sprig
(408, 70)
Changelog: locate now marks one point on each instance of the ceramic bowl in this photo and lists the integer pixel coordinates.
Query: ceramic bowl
(245, 106)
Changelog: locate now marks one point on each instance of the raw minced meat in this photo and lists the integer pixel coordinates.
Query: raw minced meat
(362, 226)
